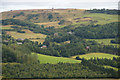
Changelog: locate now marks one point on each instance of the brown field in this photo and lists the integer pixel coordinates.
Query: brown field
(28, 35)
(50, 24)
(69, 15)
(66, 14)
(38, 40)
(7, 26)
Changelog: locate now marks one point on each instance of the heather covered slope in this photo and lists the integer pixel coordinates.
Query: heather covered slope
(49, 17)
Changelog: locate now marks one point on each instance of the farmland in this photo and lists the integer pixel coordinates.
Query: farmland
(102, 18)
(103, 41)
(60, 43)
(28, 35)
(49, 24)
(75, 16)
(52, 59)
(96, 55)
(7, 27)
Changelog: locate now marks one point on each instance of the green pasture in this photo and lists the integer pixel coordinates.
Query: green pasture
(103, 41)
(53, 60)
(111, 67)
(102, 18)
(96, 18)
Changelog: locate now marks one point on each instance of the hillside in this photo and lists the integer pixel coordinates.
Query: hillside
(49, 17)
(53, 60)
(60, 43)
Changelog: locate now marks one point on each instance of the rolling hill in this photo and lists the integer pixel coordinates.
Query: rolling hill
(51, 59)
(49, 17)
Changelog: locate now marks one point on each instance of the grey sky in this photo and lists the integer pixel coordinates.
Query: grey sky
(59, 0)
(44, 4)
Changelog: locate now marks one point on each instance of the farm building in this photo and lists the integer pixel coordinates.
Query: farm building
(6, 41)
(44, 46)
(55, 34)
(70, 32)
(20, 39)
(87, 47)
(19, 43)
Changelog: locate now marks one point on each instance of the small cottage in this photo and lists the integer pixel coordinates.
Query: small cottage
(20, 39)
(19, 43)
(6, 41)
(87, 47)
(44, 46)
(55, 34)
(70, 32)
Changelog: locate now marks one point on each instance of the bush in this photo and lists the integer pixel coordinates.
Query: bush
(50, 16)
(61, 22)
(14, 26)
(78, 58)
(21, 31)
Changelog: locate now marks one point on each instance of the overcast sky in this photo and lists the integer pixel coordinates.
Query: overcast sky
(6, 5)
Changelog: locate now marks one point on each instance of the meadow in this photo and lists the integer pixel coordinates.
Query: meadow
(111, 67)
(53, 60)
(96, 55)
(102, 18)
(95, 18)
(103, 41)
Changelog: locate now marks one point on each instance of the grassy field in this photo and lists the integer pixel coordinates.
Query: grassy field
(53, 60)
(10, 63)
(28, 35)
(103, 41)
(111, 67)
(96, 55)
(102, 18)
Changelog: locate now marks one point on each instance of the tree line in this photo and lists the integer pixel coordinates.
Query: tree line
(85, 69)
(106, 11)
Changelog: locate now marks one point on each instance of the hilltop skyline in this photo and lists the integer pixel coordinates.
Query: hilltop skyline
(7, 5)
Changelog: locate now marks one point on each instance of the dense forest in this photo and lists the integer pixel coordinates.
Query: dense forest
(85, 69)
(98, 31)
